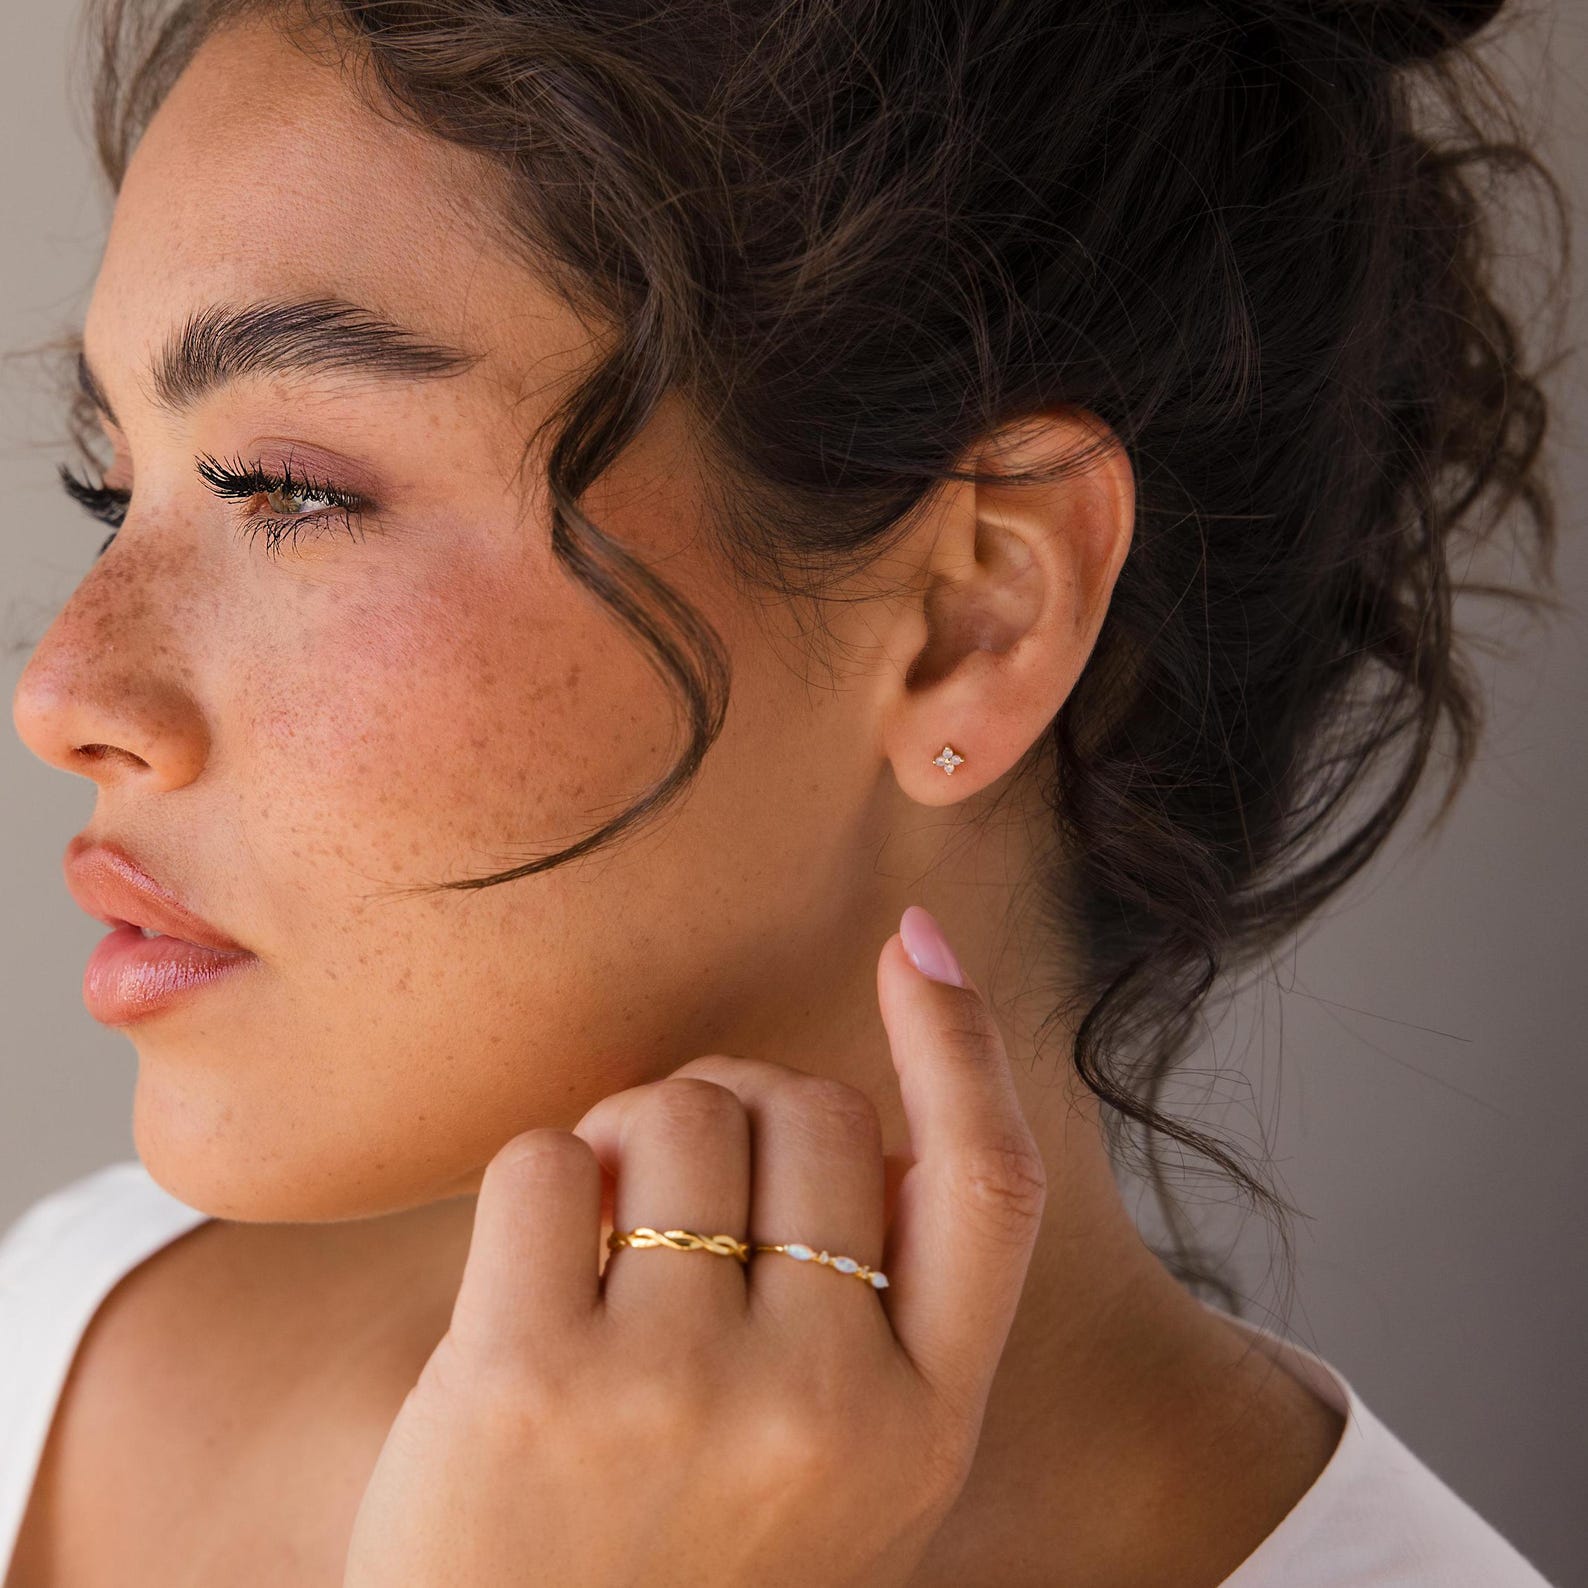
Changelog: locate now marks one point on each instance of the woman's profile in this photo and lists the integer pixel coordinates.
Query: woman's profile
(717, 621)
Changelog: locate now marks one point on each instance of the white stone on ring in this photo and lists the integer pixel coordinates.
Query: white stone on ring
(802, 1253)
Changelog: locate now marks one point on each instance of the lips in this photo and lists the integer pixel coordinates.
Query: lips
(112, 887)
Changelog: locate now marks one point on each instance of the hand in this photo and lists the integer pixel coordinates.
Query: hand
(687, 1419)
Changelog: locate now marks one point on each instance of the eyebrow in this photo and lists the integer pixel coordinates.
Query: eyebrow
(316, 337)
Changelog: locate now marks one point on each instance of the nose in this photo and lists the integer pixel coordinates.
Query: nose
(103, 695)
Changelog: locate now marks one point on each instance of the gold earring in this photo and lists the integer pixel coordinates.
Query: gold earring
(947, 760)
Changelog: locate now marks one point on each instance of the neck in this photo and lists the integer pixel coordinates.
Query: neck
(1130, 1436)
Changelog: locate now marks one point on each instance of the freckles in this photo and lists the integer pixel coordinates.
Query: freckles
(452, 713)
(145, 610)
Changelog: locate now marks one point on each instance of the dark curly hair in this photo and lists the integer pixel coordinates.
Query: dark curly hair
(1255, 239)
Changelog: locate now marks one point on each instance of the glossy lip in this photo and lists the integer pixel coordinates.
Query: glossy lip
(130, 977)
(112, 887)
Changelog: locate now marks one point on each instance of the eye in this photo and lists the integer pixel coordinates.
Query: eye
(284, 505)
(107, 503)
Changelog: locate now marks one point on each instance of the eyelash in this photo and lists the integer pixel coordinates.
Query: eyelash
(233, 481)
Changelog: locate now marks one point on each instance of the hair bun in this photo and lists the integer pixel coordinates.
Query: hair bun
(1402, 31)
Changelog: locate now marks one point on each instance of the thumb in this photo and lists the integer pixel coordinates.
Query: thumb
(970, 1205)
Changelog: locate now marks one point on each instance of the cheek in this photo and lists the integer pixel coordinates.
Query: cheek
(450, 720)
(456, 727)
(447, 730)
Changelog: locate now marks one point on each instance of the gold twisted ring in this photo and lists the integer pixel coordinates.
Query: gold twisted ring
(680, 1241)
(728, 1246)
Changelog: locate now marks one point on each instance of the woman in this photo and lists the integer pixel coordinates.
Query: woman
(1060, 425)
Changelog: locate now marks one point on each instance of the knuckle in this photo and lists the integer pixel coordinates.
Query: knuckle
(542, 1153)
(1003, 1186)
(711, 1066)
(657, 1411)
(835, 1109)
(976, 1040)
(687, 1105)
(653, 1413)
(650, 1407)
(792, 1444)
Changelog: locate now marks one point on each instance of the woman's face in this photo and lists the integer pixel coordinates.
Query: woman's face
(289, 735)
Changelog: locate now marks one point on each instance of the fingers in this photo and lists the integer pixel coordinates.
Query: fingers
(769, 1154)
(679, 1150)
(817, 1175)
(531, 1267)
(970, 1206)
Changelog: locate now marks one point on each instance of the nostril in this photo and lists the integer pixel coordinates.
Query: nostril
(101, 752)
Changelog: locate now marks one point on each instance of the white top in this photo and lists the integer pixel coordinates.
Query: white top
(1375, 1517)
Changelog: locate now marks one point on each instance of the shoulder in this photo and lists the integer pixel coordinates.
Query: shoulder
(220, 1353)
(59, 1259)
(105, 1211)
(123, 1285)
(1376, 1515)
(64, 1265)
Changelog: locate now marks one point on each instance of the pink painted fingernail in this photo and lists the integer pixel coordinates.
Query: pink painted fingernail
(928, 948)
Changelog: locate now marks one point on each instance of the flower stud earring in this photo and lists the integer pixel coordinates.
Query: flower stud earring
(947, 760)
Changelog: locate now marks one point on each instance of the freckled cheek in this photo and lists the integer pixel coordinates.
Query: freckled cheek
(408, 731)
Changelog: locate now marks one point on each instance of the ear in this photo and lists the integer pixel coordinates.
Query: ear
(1015, 583)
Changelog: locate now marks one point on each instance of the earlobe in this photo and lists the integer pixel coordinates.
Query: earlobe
(1019, 575)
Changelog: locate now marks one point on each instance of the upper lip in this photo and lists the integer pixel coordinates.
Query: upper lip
(112, 887)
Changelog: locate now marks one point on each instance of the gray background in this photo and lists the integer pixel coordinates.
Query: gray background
(1417, 1063)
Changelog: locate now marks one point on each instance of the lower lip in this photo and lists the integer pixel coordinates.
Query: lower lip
(130, 975)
